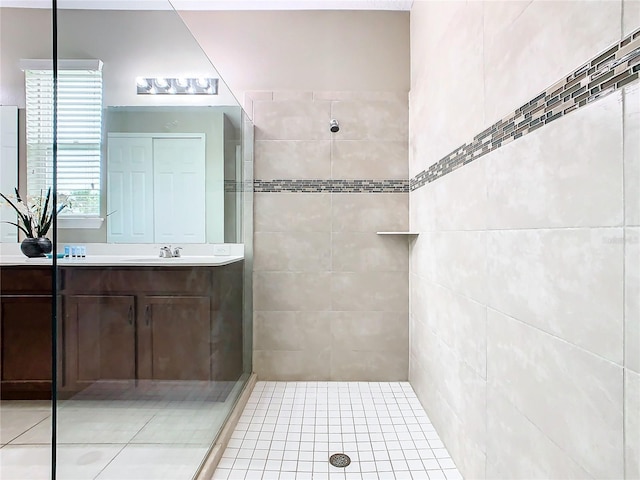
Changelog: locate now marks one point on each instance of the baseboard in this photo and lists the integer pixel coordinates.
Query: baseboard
(215, 454)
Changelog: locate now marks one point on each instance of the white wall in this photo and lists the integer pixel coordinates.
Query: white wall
(306, 50)
(524, 317)
(130, 43)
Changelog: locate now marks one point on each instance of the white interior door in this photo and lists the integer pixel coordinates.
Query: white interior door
(179, 193)
(8, 170)
(130, 189)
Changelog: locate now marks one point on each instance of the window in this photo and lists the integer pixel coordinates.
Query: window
(79, 135)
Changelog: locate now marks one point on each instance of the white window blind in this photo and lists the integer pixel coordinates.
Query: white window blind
(79, 136)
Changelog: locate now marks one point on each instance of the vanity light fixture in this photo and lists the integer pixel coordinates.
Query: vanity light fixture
(176, 86)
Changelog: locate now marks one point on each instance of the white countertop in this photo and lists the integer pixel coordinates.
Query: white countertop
(124, 261)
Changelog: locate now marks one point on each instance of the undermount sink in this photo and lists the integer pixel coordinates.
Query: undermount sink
(153, 259)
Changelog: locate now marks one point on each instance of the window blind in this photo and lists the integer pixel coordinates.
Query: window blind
(79, 136)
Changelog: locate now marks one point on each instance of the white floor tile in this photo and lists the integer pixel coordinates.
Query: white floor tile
(380, 425)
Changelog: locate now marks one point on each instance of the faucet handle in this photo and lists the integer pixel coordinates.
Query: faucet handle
(176, 252)
(165, 252)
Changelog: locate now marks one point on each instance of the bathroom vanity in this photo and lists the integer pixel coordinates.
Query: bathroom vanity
(120, 321)
(25, 332)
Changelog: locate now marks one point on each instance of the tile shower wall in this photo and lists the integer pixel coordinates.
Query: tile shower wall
(330, 296)
(525, 322)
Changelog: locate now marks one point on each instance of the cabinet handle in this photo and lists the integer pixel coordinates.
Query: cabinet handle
(130, 315)
(147, 315)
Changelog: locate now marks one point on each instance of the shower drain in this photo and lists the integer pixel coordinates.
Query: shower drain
(339, 460)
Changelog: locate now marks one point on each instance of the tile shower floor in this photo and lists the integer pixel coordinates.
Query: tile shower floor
(118, 438)
(288, 430)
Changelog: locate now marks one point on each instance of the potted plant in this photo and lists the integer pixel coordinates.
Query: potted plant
(34, 220)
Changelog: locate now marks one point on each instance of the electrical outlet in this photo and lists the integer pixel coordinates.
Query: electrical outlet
(222, 250)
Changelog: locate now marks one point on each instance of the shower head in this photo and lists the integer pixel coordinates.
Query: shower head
(333, 125)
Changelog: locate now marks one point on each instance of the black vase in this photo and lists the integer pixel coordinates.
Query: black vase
(36, 247)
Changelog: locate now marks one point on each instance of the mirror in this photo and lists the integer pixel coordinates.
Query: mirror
(131, 44)
(193, 204)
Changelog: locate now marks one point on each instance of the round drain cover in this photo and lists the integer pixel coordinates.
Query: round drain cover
(339, 460)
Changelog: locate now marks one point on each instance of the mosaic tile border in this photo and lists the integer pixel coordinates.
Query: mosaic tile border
(612, 69)
(331, 186)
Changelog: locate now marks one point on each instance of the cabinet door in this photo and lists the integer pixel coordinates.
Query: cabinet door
(26, 347)
(174, 336)
(99, 339)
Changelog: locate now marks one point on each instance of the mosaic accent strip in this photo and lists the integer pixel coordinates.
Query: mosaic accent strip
(610, 70)
(331, 186)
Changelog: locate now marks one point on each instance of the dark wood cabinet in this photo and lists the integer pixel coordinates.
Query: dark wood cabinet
(174, 338)
(119, 324)
(151, 323)
(99, 339)
(25, 333)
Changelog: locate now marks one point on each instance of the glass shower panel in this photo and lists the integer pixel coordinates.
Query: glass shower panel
(152, 280)
(26, 282)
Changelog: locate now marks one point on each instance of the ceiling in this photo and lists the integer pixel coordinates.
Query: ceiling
(402, 5)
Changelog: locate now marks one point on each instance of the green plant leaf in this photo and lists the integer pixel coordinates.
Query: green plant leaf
(16, 225)
(43, 215)
(25, 219)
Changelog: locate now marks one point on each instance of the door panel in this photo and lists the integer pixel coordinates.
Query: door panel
(130, 189)
(179, 199)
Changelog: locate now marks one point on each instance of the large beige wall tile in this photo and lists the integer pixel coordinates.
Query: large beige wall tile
(363, 252)
(568, 174)
(450, 89)
(361, 95)
(292, 251)
(423, 209)
(631, 121)
(370, 331)
(292, 330)
(459, 322)
(369, 346)
(291, 159)
(289, 291)
(572, 396)
(460, 262)
(632, 424)
(548, 40)
(632, 299)
(498, 14)
(369, 291)
(370, 120)
(292, 212)
(518, 450)
(370, 212)
(430, 22)
(423, 257)
(291, 120)
(469, 456)
(369, 159)
(418, 306)
(369, 366)
(630, 18)
(567, 282)
(455, 381)
(299, 365)
(461, 197)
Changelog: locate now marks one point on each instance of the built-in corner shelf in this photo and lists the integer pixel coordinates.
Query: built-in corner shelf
(415, 234)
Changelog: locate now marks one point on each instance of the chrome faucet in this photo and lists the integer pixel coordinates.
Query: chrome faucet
(166, 252)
